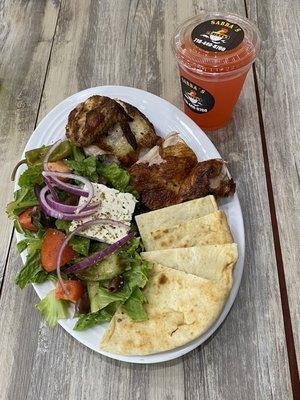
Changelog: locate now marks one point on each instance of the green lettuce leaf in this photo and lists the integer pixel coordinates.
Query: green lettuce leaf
(23, 198)
(134, 306)
(52, 309)
(136, 269)
(31, 176)
(135, 276)
(100, 297)
(118, 177)
(96, 246)
(18, 227)
(32, 271)
(132, 249)
(77, 153)
(89, 320)
(63, 225)
(22, 245)
(85, 167)
(81, 245)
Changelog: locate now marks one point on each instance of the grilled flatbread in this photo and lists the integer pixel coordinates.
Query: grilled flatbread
(214, 262)
(180, 308)
(210, 229)
(169, 217)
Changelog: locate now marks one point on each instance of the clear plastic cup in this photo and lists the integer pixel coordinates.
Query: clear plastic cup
(214, 52)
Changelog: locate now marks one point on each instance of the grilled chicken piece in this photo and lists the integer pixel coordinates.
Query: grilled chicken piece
(92, 118)
(140, 126)
(207, 177)
(169, 174)
(115, 143)
(113, 127)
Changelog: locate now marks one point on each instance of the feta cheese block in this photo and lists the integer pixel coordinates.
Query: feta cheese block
(112, 205)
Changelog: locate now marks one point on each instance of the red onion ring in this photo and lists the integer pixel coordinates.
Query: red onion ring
(51, 188)
(80, 228)
(59, 214)
(88, 193)
(56, 205)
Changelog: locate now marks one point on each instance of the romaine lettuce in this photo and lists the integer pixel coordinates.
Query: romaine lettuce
(31, 176)
(118, 177)
(89, 320)
(134, 306)
(85, 167)
(52, 309)
(32, 271)
(23, 198)
(135, 277)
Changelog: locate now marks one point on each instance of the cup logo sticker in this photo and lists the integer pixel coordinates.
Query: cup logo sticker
(217, 35)
(197, 99)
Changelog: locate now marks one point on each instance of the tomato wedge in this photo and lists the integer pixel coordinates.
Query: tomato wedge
(50, 247)
(73, 292)
(25, 220)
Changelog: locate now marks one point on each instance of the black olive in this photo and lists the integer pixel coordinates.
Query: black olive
(40, 220)
(115, 284)
(82, 306)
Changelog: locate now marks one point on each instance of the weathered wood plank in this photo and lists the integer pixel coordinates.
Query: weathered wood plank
(247, 358)
(26, 33)
(278, 72)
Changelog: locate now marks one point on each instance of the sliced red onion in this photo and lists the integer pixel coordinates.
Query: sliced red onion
(68, 187)
(81, 228)
(51, 188)
(58, 214)
(56, 205)
(49, 152)
(88, 193)
(87, 262)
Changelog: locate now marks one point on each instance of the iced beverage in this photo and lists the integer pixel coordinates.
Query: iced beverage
(214, 53)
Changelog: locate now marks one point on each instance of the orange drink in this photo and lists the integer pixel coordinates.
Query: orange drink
(214, 52)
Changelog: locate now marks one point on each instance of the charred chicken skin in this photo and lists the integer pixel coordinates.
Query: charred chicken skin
(170, 174)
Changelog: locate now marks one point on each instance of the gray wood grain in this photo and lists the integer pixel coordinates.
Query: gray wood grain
(247, 358)
(25, 41)
(278, 71)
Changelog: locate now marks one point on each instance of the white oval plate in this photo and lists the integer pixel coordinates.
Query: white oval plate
(166, 118)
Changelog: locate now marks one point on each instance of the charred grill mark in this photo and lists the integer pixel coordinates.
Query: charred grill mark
(162, 279)
(128, 134)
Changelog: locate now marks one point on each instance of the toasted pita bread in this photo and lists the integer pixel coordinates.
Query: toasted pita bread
(169, 217)
(213, 262)
(210, 229)
(180, 308)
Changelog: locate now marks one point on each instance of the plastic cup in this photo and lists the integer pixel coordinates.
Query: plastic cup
(214, 52)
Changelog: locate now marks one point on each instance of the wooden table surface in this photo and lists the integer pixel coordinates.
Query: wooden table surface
(52, 49)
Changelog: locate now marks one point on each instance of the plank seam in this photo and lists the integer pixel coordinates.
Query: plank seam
(35, 124)
(6, 261)
(278, 253)
(47, 68)
(290, 344)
